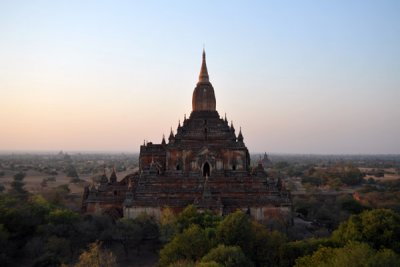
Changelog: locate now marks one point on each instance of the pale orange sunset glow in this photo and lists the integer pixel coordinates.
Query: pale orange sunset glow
(105, 79)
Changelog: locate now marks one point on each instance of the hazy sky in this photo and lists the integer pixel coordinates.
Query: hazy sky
(298, 76)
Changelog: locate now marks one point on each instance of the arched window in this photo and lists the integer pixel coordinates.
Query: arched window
(206, 169)
(178, 167)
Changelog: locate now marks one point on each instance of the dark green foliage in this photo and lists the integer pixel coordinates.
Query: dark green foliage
(315, 181)
(190, 216)
(352, 206)
(128, 232)
(295, 249)
(334, 176)
(237, 239)
(228, 256)
(351, 175)
(46, 259)
(168, 225)
(19, 176)
(268, 246)
(62, 216)
(353, 254)
(57, 196)
(17, 185)
(171, 224)
(46, 234)
(71, 171)
(191, 245)
(4, 235)
(380, 228)
(236, 230)
(149, 226)
(327, 210)
(207, 264)
(186, 263)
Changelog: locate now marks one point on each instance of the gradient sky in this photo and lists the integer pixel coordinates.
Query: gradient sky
(297, 76)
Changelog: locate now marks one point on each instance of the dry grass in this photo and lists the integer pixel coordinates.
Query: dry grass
(33, 180)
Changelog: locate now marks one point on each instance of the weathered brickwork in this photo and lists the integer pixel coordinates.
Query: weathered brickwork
(204, 163)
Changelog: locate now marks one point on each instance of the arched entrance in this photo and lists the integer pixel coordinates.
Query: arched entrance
(206, 169)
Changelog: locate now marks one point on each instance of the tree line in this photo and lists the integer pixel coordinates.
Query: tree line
(38, 232)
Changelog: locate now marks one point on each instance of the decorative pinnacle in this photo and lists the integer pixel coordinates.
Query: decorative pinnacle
(163, 140)
(203, 77)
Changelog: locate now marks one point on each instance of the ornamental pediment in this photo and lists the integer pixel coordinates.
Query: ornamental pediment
(205, 151)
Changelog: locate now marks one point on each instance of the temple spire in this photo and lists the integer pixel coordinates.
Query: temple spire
(203, 95)
(203, 77)
(240, 136)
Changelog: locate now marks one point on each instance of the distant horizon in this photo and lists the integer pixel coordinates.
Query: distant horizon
(321, 77)
(55, 152)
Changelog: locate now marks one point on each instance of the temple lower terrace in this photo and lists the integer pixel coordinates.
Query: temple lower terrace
(204, 163)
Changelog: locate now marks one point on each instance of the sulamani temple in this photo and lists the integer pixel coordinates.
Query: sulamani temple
(205, 163)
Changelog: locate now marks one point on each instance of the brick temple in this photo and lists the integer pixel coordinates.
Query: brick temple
(205, 163)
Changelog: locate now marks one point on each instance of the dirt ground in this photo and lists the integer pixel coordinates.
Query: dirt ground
(387, 176)
(33, 180)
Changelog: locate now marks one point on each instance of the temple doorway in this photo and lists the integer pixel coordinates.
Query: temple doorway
(206, 169)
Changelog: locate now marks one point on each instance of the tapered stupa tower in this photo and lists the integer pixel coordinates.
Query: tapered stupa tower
(203, 95)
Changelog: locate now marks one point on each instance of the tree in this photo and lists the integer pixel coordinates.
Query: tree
(295, 249)
(184, 263)
(19, 176)
(202, 264)
(268, 246)
(227, 256)
(128, 233)
(62, 216)
(353, 254)
(71, 172)
(379, 228)
(352, 206)
(189, 245)
(96, 257)
(236, 230)
(168, 225)
(188, 217)
(4, 235)
(149, 226)
(17, 185)
(59, 247)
